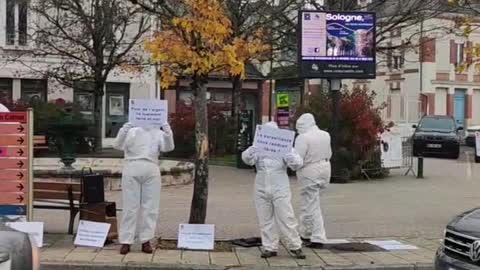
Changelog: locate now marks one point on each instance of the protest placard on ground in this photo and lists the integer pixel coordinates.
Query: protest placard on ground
(91, 234)
(273, 141)
(148, 112)
(196, 236)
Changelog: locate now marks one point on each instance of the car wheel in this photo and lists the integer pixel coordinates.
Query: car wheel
(456, 154)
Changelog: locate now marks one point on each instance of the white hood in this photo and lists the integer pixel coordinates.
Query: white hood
(271, 124)
(305, 123)
(3, 108)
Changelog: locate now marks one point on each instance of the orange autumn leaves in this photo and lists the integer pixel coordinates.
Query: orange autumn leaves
(201, 42)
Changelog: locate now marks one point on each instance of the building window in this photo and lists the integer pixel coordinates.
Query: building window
(83, 98)
(34, 90)
(5, 90)
(460, 53)
(16, 22)
(117, 95)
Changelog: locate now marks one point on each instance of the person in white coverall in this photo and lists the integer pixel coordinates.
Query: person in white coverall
(141, 182)
(273, 199)
(3, 108)
(313, 145)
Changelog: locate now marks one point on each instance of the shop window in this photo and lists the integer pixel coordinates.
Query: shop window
(83, 97)
(34, 90)
(5, 90)
(117, 95)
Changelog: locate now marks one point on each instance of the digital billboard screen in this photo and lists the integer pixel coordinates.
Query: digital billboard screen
(337, 44)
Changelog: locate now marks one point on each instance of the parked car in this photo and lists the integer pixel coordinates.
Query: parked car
(470, 135)
(461, 245)
(437, 135)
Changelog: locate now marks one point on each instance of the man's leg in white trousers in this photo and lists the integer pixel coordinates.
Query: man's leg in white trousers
(266, 220)
(286, 221)
(131, 208)
(311, 220)
(150, 204)
(319, 234)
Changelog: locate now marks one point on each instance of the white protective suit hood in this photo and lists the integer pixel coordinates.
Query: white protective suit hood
(271, 124)
(305, 123)
(3, 108)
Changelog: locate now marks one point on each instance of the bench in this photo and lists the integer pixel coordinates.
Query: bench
(40, 142)
(58, 196)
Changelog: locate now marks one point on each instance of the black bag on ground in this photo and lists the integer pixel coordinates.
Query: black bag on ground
(93, 190)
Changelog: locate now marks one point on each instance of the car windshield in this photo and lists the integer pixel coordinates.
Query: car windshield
(441, 124)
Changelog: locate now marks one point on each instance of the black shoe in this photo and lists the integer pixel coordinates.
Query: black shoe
(314, 245)
(268, 254)
(305, 240)
(298, 254)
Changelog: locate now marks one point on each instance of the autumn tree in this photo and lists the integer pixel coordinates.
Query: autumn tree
(196, 40)
(85, 41)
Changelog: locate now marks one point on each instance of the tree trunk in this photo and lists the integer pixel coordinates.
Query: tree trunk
(97, 115)
(198, 209)
(236, 94)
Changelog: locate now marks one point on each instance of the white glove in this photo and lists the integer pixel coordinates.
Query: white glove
(166, 128)
(128, 125)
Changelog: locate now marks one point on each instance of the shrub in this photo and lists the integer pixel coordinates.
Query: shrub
(359, 126)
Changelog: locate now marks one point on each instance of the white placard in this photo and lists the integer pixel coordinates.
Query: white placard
(391, 148)
(91, 234)
(33, 229)
(392, 245)
(147, 112)
(196, 236)
(477, 143)
(273, 141)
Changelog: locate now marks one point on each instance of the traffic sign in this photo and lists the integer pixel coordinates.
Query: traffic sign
(12, 210)
(13, 175)
(13, 128)
(13, 140)
(13, 151)
(14, 186)
(13, 163)
(13, 198)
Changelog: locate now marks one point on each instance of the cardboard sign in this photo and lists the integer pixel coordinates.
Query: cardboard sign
(91, 234)
(196, 236)
(148, 112)
(477, 143)
(33, 229)
(273, 141)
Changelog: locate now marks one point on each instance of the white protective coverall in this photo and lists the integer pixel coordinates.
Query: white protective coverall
(273, 197)
(313, 145)
(141, 182)
(3, 108)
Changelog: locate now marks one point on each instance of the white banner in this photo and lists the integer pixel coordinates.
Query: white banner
(147, 112)
(273, 141)
(196, 236)
(391, 147)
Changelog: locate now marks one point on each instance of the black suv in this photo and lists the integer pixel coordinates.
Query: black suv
(461, 246)
(437, 135)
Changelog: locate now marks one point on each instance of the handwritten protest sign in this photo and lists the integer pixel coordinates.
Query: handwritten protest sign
(91, 234)
(196, 236)
(148, 112)
(273, 141)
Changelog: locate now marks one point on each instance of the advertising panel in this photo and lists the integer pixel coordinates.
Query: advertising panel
(337, 44)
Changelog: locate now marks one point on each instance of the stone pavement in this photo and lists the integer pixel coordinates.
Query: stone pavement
(59, 253)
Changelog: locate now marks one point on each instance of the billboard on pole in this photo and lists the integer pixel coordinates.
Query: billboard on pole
(337, 44)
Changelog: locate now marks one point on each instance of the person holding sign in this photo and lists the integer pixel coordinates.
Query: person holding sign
(313, 145)
(272, 199)
(141, 181)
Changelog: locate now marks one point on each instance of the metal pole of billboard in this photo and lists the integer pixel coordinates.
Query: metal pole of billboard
(335, 86)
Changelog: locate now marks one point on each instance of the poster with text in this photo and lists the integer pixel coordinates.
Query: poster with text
(337, 44)
(148, 112)
(273, 141)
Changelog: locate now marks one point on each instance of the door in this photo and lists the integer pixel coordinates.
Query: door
(460, 107)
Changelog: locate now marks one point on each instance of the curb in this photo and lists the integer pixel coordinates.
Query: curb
(151, 266)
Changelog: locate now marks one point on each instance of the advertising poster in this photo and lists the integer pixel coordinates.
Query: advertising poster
(337, 44)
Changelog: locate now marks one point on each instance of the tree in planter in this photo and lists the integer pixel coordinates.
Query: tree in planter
(195, 41)
(86, 41)
(360, 124)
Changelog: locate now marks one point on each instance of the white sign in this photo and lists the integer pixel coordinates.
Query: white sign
(273, 141)
(477, 143)
(392, 245)
(91, 234)
(391, 148)
(196, 236)
(33, 229)
(148, 112)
